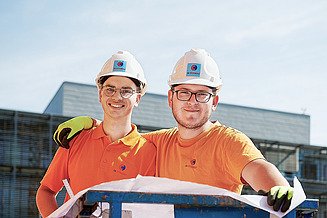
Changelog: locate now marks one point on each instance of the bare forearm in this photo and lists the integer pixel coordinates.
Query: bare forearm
(262, 175)
(46, 201)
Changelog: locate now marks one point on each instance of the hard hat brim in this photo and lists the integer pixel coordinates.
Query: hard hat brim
(119, 73)
(196, 81)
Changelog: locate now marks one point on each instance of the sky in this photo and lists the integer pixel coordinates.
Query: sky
(271, 54)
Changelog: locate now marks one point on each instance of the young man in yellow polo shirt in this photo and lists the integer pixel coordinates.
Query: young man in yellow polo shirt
(114, 150)
(198, 150)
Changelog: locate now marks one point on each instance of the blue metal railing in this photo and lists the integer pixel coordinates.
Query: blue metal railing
(192, 205)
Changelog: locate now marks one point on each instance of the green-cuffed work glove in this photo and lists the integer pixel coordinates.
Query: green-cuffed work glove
(279, 197)
(67, 130)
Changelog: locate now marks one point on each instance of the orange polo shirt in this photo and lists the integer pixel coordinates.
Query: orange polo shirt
(93, 159)
(216, 157)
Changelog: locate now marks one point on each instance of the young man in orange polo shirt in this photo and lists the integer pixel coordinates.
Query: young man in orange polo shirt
(114, 150)
(205, 152)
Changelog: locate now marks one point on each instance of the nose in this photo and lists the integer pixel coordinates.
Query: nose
(193, 98)
(116, 95)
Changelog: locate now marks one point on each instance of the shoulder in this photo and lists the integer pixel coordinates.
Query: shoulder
(161, 132)
(228, 132)
(82, 137)
(158, 136)
(146, 144)
(230, 137)
(170, 131)
(235, 145)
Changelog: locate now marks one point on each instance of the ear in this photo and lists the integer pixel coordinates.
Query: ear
(138, 99)
(170, 98)
(215, 102)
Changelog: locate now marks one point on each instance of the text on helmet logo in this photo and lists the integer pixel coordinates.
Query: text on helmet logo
(119, 65)
(193, 69)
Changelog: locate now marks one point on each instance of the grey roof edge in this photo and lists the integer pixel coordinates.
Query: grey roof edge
(265, 109)
(77, 83)
(33, 114)
(318, 147)
(53, 98)
(61, 87)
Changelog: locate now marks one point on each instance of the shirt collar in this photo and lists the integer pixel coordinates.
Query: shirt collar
(131, 139)
(98, 132)
(192, 141)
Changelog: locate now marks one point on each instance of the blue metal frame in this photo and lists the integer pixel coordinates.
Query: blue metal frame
(187, 205)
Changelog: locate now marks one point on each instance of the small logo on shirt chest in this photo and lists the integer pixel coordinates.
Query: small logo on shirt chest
(191, 163)
(121, 168)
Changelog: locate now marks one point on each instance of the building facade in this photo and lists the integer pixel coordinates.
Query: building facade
(27, 147)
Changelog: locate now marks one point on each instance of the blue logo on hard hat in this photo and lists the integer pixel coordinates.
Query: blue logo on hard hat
(119, 66)
(193, 69)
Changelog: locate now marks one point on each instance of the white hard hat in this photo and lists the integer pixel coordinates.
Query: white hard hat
(124, 64)
(196, 67)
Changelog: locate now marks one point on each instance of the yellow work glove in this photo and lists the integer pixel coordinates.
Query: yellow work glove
(67, 130)
(279, 197)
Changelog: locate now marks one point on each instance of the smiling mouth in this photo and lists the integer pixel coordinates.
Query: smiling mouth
(116, 105)
(191, 110)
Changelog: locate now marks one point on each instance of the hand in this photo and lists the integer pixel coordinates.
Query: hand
(279, 197)
(68, 130)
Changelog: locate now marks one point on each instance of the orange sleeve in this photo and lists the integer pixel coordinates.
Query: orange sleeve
(57, 170)
(154, 136)
(240, 151)
(46, 201)
(149, 159)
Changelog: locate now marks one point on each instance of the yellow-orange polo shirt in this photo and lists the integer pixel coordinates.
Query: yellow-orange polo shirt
(216, 157)
(93, 159)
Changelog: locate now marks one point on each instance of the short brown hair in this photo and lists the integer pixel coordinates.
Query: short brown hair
(138, 83)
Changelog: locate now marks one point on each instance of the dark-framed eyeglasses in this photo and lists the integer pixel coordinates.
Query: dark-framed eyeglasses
(109, 91)
(186, 95)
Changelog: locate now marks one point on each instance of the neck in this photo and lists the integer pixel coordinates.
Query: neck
(186, 133)
(117, 128)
